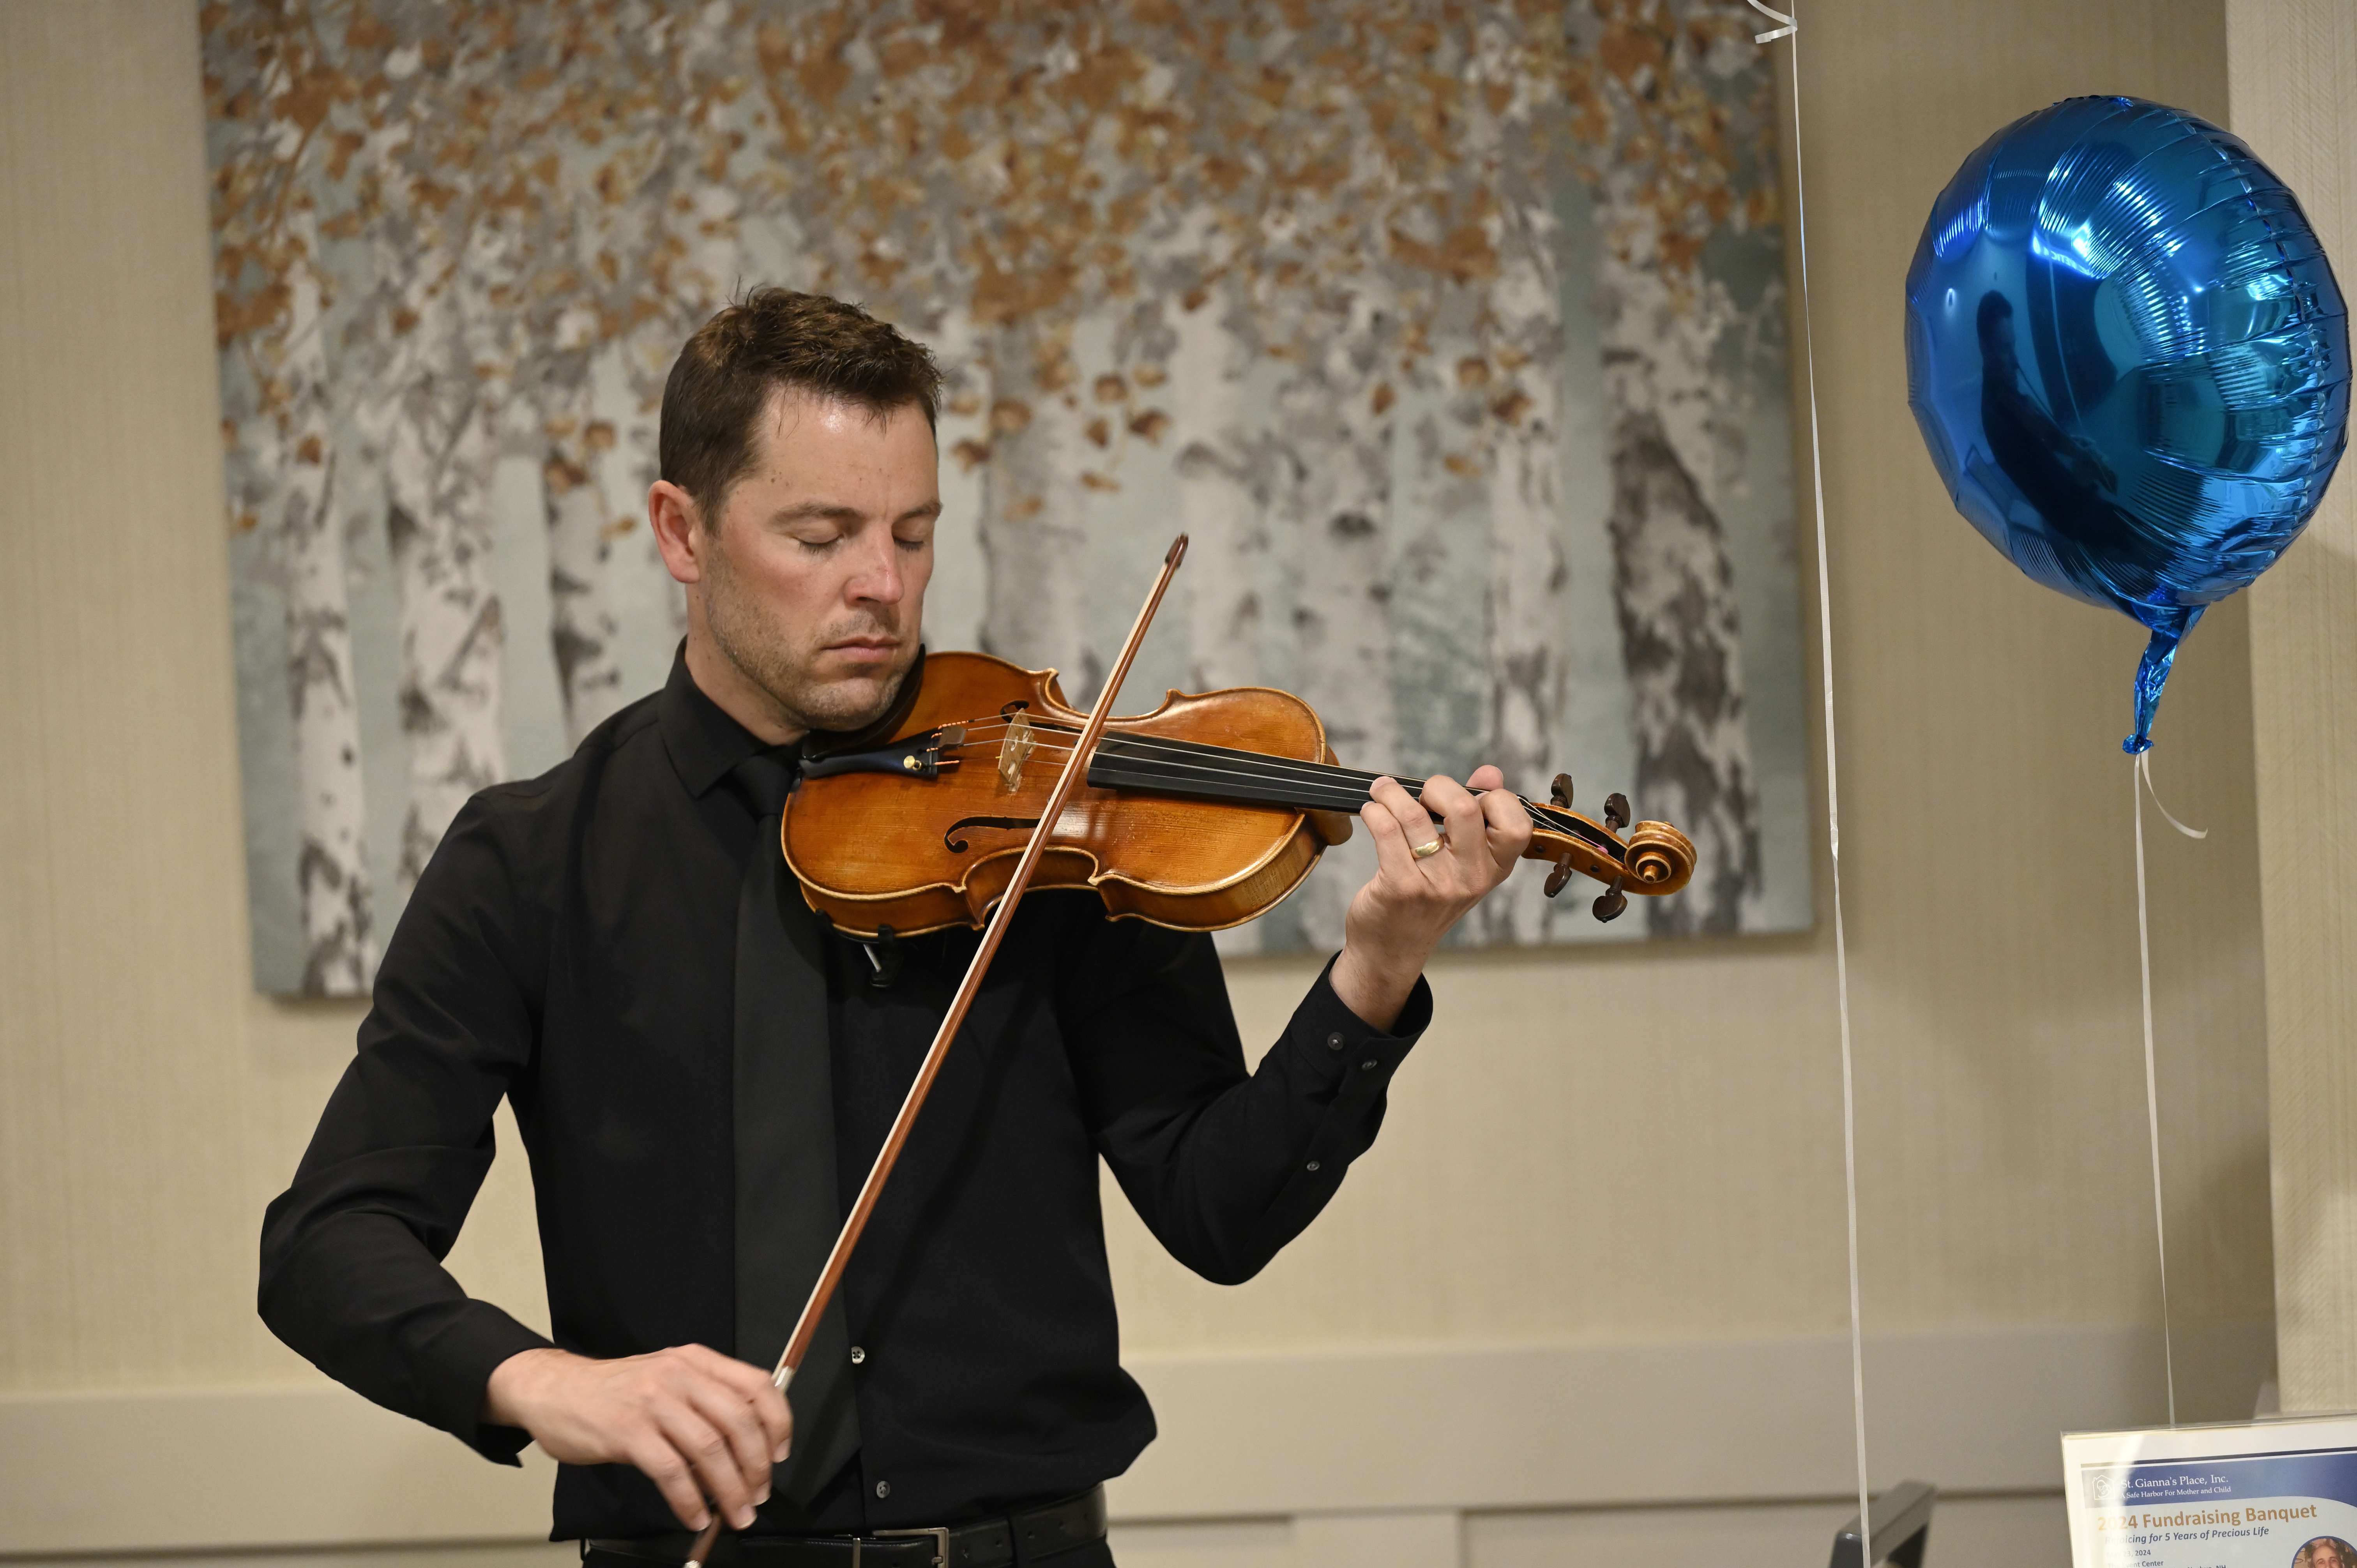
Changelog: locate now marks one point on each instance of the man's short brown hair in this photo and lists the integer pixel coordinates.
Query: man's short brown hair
(772, 338)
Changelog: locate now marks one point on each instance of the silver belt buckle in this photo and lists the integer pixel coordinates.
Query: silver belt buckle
(940, 1541)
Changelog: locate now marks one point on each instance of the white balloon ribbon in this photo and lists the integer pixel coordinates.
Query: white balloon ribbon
(2140, 786)
(1833, 784)
(2144, 771)
(1790, 25)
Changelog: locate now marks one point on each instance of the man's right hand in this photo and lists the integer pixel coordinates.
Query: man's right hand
(699, 1424)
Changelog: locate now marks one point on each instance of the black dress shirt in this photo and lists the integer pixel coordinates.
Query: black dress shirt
(571, 946)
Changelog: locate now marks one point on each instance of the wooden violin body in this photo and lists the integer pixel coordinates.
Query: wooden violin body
(932, 841)
(1198, 815)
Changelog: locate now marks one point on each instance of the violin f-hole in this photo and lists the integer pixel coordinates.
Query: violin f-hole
(957, 845)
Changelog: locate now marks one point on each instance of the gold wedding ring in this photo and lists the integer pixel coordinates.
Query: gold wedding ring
(1425, 851)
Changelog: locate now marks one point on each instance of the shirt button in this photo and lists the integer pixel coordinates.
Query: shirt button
(883, 1489)
(1334, 1042)
(857, 1354)
(1312, 1166)
(1370, 1065)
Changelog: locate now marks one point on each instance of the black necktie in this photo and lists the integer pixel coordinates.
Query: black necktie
(787, 1208)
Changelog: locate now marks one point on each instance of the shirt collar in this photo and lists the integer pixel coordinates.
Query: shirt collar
(704, 742)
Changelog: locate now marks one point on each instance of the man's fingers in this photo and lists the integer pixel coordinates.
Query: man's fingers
(1460, 817)
(1391, 858)
(670, 1471)
(1509, 826)
(760, 1397)
(1386, 825)
(1414, 822)
(709, 1456)
(1413, 817)
(765, 1399)
(751, 1448)
(1494, 815)
(777, 1421)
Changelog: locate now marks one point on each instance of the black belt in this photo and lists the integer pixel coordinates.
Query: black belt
(1019, 1538)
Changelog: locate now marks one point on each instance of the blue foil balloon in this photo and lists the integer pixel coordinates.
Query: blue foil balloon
(2130, 360)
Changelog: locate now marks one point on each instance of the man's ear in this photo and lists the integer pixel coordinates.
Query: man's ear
(671, 513)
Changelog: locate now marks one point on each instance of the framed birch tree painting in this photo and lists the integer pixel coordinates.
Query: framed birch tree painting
(1453, 331)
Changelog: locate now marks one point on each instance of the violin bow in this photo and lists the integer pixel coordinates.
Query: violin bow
(1075, 768)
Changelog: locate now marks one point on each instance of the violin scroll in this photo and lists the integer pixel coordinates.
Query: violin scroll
(1660, 856)
(1654, 859)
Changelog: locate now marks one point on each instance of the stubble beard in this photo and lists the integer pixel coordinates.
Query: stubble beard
(763, 651)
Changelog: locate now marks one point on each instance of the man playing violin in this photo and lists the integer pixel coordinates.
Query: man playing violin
(605, 947)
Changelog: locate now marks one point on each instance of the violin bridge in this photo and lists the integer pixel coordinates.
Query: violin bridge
(1012, 752)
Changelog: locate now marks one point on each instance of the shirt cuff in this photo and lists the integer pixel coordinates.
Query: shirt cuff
(1346, 1050)
(465, 1355)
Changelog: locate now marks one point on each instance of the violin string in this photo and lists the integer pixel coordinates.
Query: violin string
(1146, 743)
(1317, 786)
(1345, 787)
(1141, 743)
(1257, 767)
(1268, 763)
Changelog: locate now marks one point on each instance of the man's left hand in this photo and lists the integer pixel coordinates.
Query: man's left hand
(1399, 916)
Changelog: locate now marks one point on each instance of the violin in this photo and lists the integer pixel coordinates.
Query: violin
(1198, 815)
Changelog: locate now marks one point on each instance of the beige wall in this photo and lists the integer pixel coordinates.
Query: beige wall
(1599, 1147)
(2295, 91)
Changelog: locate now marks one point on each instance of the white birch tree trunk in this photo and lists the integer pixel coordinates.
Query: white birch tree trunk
(1222, 481)
(1519, 385)
(1219, 508)
(331, 861)
(1529, 580)
(583, 633)
(1339, 507)
(1035, 544)
(1673, 586)
(438, 487)
(954, 604)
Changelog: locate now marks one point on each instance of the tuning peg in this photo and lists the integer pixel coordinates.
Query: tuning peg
(1616, 812)
(1561, 875)
(1559, 792)
(1611, 903)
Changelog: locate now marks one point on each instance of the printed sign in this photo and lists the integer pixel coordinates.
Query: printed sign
(2274, 1494)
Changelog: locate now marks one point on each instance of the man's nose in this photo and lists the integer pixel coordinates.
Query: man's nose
(876, 578)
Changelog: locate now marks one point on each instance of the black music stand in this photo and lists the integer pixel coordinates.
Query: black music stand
(1901, 1527)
